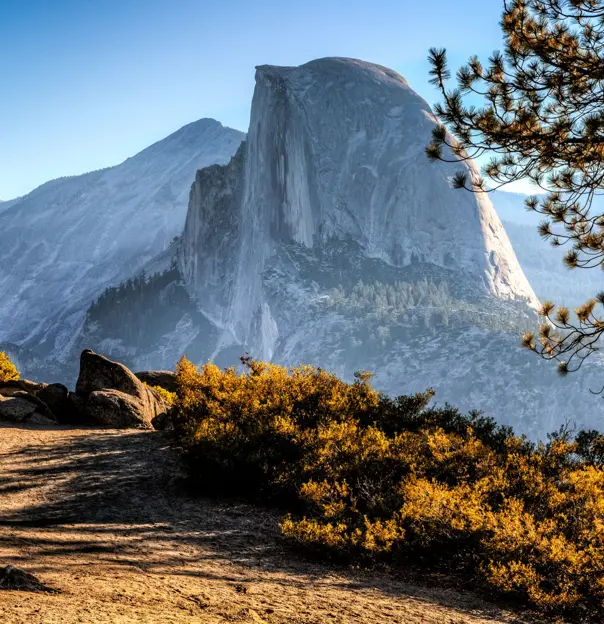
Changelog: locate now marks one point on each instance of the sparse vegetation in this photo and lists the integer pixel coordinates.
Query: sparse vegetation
(364, 476)
(8, 371)
(425, 302)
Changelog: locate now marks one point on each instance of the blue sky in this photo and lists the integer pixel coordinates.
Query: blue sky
(86, 83)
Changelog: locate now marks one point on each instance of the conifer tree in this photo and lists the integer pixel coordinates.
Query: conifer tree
(540, 118)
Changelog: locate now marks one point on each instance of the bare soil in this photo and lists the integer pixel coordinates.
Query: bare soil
(101, 516)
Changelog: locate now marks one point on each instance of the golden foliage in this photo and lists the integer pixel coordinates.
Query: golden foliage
(8, 371)
(363, 475)
(166, 395)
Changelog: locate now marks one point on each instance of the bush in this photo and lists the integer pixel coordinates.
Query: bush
(166, 395)
(8, 371)
(365, 476)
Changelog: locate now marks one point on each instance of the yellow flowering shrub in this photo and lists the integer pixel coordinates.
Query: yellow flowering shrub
(362, 475)
(166, 395)
(8, 371)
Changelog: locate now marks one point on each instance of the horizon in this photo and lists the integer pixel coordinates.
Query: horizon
(141, 75)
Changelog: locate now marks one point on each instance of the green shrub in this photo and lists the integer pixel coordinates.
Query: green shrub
(365, 476)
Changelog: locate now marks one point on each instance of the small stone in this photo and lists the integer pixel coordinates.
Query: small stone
(19, 580)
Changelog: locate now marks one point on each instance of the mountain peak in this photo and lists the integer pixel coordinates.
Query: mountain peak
(335, 152)
(335, 66)
(189, 137)
(64, 242)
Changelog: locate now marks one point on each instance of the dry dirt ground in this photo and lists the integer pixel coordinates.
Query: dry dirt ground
(100, 515)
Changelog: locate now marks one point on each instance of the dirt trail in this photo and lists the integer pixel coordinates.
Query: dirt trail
(90, 513)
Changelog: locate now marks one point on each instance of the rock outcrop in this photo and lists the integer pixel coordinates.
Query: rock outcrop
(107, 393)
(22, 401)
(22, 407)
(162, 378)
(111, 395)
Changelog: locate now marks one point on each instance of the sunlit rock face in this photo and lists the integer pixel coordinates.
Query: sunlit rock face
(62, 244)
(335, 152)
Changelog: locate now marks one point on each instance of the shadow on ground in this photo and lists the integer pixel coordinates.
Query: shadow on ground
(119, 497)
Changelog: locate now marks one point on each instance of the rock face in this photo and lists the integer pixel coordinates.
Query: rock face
(118, 409)
(112, 395)
(543, 264)
(335, 152)
(62, 244)
(164, 379)
(22, 407)
(59, 400)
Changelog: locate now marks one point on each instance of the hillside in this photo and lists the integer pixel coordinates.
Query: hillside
(70, 238)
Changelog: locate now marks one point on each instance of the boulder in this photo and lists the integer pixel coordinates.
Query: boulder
(41, 406)
(39, 419)
(23, 407)
(19, 580)
(165, 420)
(16, 409)
(118, 409)
(111, 394)
(9, 388)
(100, 373)
(57, 397)
(162, 378)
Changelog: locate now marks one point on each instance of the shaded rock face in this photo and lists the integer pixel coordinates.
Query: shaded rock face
(112, 395)
(22, 407)
(16, 409)
(59, 400)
